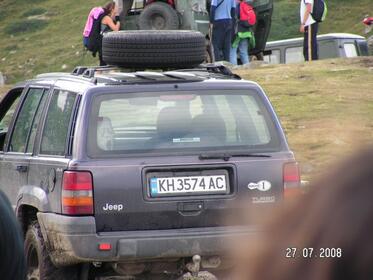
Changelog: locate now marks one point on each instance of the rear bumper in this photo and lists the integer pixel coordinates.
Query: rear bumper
(74, 240)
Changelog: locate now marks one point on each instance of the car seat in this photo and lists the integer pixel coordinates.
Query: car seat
(105, 134)
(172, 123)
(209, 128)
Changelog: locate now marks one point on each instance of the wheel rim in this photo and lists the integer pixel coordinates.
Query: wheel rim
(158, 22)
(33, 272)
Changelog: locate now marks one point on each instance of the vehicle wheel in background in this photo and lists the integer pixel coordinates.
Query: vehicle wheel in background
(159, 16)
(154, 49)
(260, 56)
(39, 264)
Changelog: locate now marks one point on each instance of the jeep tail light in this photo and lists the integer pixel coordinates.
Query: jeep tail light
(77, 196)
(291, 174)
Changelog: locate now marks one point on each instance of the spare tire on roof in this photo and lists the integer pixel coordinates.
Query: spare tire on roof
(154, 49)
(159, 16)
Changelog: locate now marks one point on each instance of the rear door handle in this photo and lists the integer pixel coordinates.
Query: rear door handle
(21, 168)
(190, 208)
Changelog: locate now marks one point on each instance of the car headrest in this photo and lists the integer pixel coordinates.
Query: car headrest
(105, 134)
(173, 122)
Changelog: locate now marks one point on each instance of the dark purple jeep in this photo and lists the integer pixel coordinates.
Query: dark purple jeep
(126, 173)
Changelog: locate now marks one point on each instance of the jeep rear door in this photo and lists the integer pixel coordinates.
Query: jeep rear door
(181, 159)
(19, 141)
(51, 153)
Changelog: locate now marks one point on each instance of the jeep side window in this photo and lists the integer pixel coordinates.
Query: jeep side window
(350, 49)
(5, 122)
(57, 123)
(24, 120)
(9, 105)
(328, 49)
(37, 118)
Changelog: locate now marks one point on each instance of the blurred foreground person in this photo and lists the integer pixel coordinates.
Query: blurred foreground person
(12, 262)
(325, 234)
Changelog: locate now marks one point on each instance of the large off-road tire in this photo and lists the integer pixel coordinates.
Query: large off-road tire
(159, 16)
(154, 49)
(39, 264)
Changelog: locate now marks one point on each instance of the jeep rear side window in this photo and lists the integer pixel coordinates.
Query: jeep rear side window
(57, 123)
(37, 118)
(180, 122)
(350, 49)
(24, 120)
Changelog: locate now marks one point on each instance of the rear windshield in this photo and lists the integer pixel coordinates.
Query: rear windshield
(186, 122)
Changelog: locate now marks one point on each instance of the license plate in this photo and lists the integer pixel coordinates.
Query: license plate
(212, 184)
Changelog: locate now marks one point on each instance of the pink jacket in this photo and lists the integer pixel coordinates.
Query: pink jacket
(93, 14)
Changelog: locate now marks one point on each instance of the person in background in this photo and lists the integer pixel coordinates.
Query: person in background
(93, 15)
(310, 28)
(244, 38)
(108, 24)
(323, 235)
(111, 14)
(100, 20)
(12, 260)
(222, 16)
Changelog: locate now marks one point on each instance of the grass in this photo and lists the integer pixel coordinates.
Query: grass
(343, 16)
(29, 46)
(34, 12)
(22, 26)
(325, 107)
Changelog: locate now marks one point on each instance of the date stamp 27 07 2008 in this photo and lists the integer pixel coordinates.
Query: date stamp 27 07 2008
(293, 252)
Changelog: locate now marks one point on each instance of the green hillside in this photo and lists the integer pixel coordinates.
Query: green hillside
(42, 36)
(45, 35)
(343, 16)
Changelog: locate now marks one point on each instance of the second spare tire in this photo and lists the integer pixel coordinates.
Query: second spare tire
(159, 16)
(154, 49)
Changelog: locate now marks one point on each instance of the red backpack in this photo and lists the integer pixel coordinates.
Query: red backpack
(247, 13)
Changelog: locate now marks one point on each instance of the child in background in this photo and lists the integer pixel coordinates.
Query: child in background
(244, 37)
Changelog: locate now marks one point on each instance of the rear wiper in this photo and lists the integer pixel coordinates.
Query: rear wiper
(227, 156)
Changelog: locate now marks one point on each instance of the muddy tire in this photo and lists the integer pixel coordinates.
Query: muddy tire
(154, 49)
(159, 16)
(39, 264)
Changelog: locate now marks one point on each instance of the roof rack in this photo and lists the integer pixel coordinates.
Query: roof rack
(59, 75)
(201, 72)
(214, 68)
(89, 71)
